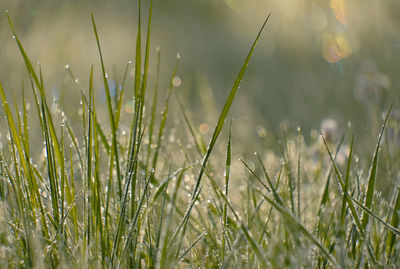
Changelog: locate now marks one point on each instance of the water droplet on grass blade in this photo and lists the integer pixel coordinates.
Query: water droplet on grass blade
(176, 81)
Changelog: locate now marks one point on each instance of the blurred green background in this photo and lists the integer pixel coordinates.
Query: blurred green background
(317, 59)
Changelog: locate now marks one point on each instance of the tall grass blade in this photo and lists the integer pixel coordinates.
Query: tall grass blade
(346, 183)
(391, 238)
(342, 186)
(372, 173)
(256, 248)
(164, 115)
(110, 111)
(289, 216)
(220, 124)
(227, 174)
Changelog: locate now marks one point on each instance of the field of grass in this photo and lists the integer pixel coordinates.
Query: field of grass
(140, 186)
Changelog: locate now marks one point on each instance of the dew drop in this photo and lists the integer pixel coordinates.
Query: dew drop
(176, 81)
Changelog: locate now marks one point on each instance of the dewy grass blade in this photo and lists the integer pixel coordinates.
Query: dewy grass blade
(110, 112)
(369, 212)
(135, 218)
(153, 108)
(342, 186)
(84, 99)
(220, 124)
(198, 139)
(27, 168)
(89, 197)
(227, 106)
(142, 94)
(391, 238)
(325, 193)
(372, 173)
(256, 248)
(164, 115)
(28, 64)
(124, 203)
(227, 174)
(289, 215)
(346, 183)
(201, 236)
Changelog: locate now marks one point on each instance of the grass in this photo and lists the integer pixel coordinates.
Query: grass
(98, 198)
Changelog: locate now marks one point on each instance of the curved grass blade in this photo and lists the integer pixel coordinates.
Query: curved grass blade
(164, 115)
(325, 193)
(372, 174)
(227, 107)
(342, 186)
(198, 139)
(220, 124)
(289, 215)
(110, 111)
(227, 174)
(369, 212)
(256, 248)
(391, 238)
(153, 108)
(346, 183)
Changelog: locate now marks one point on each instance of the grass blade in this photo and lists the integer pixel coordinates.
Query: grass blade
(220, 124)
(289, 215)
(110, 111)
(372, 173)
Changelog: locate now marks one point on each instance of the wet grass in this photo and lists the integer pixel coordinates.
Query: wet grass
(104, 199)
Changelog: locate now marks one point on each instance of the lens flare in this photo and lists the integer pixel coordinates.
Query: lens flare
(129, 107)
(335, 47)
(233, 4)
(339, 10)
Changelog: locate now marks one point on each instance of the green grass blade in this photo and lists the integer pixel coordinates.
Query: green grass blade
(153, 108)
(24, 55)
(391, 238)
(219, 126)
(135, 218)
(298, 173)
(199, 238)
(346, 183)
(289, 216)
(197, 138)
(342, 186)
(110, 110)
(256, 248)
(370, 213)
(121, 97)
(372, 173)
(325, 193)
(164, 115)
(227, 174)
(227, 106)
(84, 99)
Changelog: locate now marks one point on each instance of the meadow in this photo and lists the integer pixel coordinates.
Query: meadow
(123, 170)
